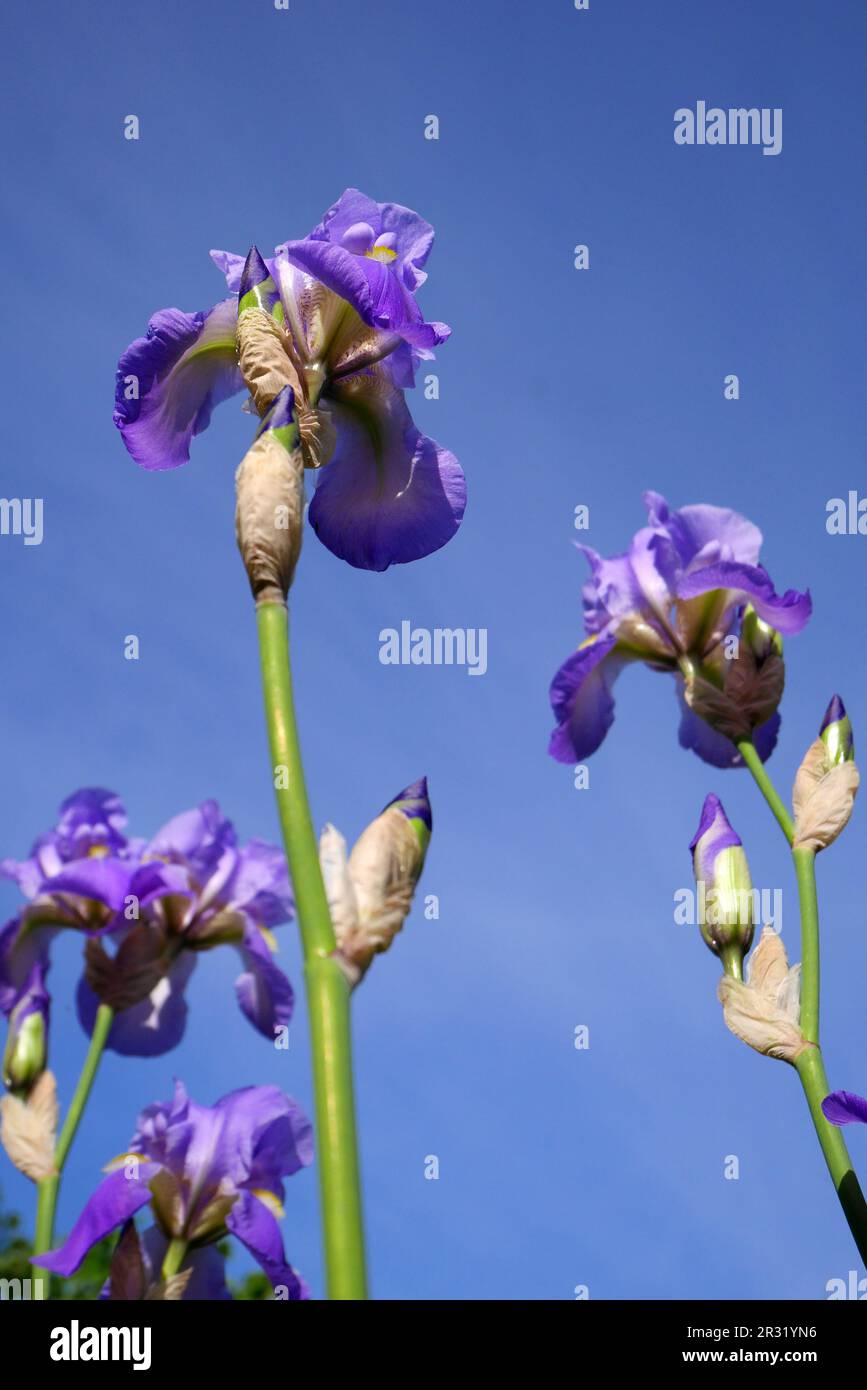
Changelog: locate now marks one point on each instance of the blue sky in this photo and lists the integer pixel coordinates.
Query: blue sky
(558, 1167)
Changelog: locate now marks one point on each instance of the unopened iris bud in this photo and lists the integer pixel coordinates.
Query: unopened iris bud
(269, 510)
(265, 353)
(370, 894)
(258, 289)
(726, 914)
(836, 733)
(26, 1053)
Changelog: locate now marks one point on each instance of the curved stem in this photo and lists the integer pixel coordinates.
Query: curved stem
(327, 988)
(47, 1188)
(747, 750)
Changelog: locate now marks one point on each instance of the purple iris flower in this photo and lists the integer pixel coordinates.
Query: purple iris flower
(205, 1172)
(345, 300)
(845, 1108)
(157, 904)
(669, 601)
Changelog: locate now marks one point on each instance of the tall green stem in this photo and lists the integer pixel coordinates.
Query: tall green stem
(747, 750)
(327, 988)
(809, 1065)
(47, 1188)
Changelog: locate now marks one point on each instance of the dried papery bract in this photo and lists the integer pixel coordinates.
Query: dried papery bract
(28, 1129)
(370, 892)
(822, 797)
(764, 1012)
(269, 509)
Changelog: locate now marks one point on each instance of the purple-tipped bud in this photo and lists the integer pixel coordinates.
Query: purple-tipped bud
(257, 289)
(413, 803)
(836, 733)
(726, 900)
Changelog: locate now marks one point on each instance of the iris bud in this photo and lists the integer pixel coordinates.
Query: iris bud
(836, 733)
(370, 894)
(26, 1053)
(761, 639)
(727, 911)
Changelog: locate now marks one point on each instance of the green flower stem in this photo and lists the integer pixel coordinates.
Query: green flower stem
(47, 1188)
(747, 750)
(810, 1066)
(327, 988)
(174, 1257)
(811, 1070)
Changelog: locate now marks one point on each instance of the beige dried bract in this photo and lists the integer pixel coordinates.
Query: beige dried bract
(764, 1012)
(822, 798)
(28, 1129)
(370, 893)
(269, 514)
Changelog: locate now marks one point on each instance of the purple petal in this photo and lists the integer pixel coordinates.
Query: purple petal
(788, 613)
(207, 1283)
(115, 1200)
(582, 701)
(412, 235)
(702, 528)
(260, 885)
(372, 288)
(845, 1108)
(199, 837)
(184, 367)
(255, 1226)
(264, 994)
(390, 494)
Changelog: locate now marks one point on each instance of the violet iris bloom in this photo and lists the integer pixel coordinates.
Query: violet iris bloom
(205, 1172)
(158, 903)
(669, 600)
(845, 1108)
(345, 298)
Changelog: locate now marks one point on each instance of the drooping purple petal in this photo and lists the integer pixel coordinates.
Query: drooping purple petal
(115, 1200)
(206, 1283)
(255, 1226)
(169, 382)
(788, 613)
(390, 494)
(582, 701)
(264, 993)
(845, 1108)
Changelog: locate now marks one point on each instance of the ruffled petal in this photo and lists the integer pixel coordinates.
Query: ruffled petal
(255, 1226)
(788, 613)
(716, 531)
(115, 1200)
(184, 367)
(390, 494)
(409, 235)
(582, 701)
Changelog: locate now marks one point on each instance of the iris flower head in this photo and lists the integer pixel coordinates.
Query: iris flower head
(671, 601)
(350, 335)
(148, 909)
(204, 1173)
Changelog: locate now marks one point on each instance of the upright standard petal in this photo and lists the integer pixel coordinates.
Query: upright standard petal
(582, 701)
(169, 381)
(359, 222)
(390, 494)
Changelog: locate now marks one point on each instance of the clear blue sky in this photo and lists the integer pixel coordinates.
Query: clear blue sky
(558, 1167)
